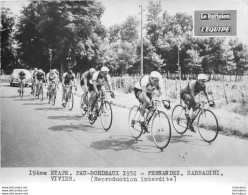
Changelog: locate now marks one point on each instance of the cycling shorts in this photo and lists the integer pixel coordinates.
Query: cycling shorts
(138, 91)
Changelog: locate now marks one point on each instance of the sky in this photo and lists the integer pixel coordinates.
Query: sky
(116, 11)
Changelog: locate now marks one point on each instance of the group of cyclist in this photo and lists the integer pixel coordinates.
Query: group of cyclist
(92, 83)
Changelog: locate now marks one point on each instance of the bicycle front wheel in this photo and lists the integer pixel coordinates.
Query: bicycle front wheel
(133, 122)
(207, 125)
(179, 120)
(53, 98)
(106, 115)
(161, 130)
(70, 100)
(83, 111)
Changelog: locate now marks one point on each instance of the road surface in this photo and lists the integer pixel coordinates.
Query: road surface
(37, 134)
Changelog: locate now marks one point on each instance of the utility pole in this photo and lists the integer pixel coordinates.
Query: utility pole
(50, 54)
(141, 60)
(179, 67)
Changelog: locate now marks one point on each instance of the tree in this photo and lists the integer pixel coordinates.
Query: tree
(129, 29)
(8, 59)
(72, 29)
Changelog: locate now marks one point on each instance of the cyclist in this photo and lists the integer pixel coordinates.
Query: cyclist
(188, 94)
(33, 73)
(68, 78)
(85, 84)
(51, 77)
(99, 78)
(40, 79)
(22, 79)
(144, 89)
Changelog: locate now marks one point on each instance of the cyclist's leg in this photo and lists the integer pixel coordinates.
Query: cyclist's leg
(190, 104)
(93, 98)
(145, 102)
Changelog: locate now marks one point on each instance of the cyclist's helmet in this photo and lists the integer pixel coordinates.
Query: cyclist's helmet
(104, 69)
(40, 70)
(155, 74)
(35, 69)
(70, 72)
(202, 77)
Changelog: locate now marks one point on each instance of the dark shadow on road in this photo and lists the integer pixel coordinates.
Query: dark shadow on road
(121, 142)
(34, 103)
(49, 108)
(13, 96)
(75, 127)
(188, 139)
(25, 99)
(115, 143)
(65, 128)
(65, 117)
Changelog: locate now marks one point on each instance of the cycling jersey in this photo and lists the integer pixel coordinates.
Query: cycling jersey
(193, 87)
(67, 78)
(99, 78)
(146, 82)
(40, 75)
(52, 77)
(88, 75)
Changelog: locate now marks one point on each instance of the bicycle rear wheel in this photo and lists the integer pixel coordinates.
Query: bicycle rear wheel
(179, 120)
(161, 130)
(207, 125)
(70, 100)
(106, 115)
(41, 94)
(133, 122)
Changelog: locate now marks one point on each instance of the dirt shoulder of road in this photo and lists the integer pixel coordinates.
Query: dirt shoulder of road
(230, 124)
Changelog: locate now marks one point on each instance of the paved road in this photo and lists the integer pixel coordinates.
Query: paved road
(37, 134)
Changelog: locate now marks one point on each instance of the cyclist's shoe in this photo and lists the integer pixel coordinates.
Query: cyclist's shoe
(191, 127)
(31, 92)
(144, 127)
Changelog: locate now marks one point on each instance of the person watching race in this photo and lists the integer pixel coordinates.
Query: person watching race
(86, 85)
(144, 90)
(99, 78)
(40, 78)
(68, 78)
(188, 94)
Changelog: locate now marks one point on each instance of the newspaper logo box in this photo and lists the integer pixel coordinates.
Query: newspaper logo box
(215, 23)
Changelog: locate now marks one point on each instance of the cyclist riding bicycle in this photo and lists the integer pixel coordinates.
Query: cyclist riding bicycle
(67, 79)
(86, 85)
(144, 89)
(21, 78)
(99, 78)
(51, 77)
(188, 94)
(33, 73)
(40, 79)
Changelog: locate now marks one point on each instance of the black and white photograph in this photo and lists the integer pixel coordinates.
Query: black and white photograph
(124, 92)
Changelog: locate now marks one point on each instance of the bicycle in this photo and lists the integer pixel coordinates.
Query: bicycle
(207, 123)
(156, 121)
(21, 90)
(39, 90)
(84, 110)
(53, 92)
(69, 99)
(103, 109)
